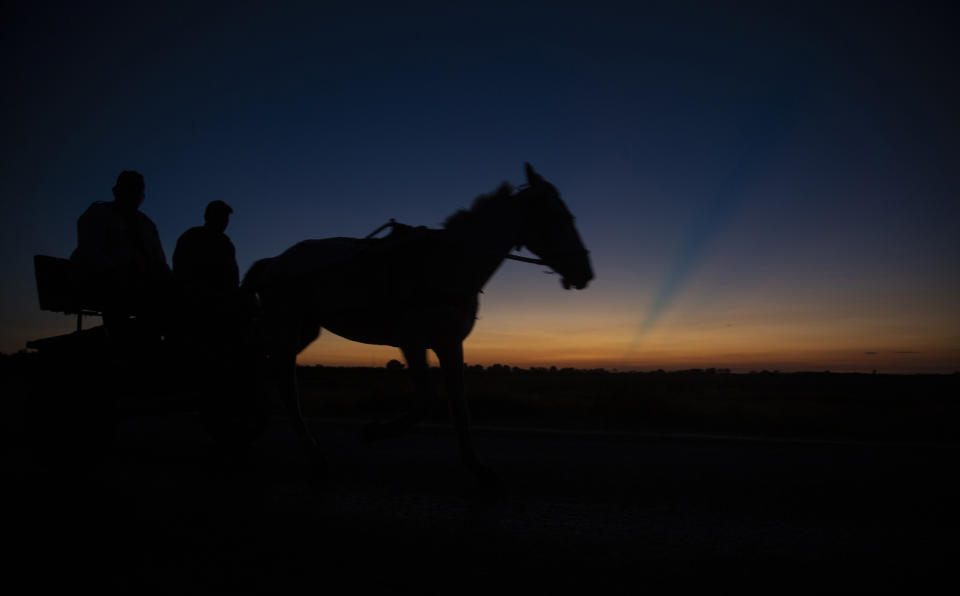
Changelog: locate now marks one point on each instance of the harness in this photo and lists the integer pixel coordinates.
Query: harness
(394, 225)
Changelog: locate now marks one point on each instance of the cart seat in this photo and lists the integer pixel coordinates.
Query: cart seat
(58, 288)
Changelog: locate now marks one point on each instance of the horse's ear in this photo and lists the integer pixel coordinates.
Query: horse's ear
(532, 177)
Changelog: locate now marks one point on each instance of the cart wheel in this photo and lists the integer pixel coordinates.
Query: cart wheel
(70, 416)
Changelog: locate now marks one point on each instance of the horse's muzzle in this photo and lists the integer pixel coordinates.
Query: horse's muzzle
(567, 284)
(577, 276)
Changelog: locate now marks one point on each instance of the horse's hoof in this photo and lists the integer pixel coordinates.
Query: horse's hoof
(317, 461)
(319, 471)
(372, 432)
(377, 431)
(488, 481)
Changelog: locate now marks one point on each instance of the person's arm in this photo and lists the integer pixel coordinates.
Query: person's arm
(155, 249)
(234, 271)
(91, 251)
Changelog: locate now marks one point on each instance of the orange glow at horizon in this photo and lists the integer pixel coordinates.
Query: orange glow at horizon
(485, 349)
(745, 341)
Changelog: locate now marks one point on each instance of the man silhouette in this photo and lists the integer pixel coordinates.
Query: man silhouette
(204, 260)
(206, 273)
(119, 257)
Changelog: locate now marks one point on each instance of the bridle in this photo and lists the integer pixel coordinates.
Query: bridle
(546, 258)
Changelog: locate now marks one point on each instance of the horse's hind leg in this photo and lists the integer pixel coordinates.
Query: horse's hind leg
(290, 396)
(417, 364)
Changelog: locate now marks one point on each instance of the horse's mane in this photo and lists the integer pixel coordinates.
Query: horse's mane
(479, 207)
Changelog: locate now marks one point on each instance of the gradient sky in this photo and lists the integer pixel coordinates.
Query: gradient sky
(761, 185)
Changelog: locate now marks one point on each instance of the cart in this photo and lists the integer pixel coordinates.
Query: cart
(85, 382)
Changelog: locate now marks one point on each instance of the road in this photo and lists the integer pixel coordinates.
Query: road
(167, 511)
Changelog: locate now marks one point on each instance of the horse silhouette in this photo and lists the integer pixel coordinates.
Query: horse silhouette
(415, 289)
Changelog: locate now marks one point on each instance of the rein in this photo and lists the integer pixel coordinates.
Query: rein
(543, 262)
(526, 259)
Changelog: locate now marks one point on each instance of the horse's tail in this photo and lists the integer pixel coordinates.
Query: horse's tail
(255, 276)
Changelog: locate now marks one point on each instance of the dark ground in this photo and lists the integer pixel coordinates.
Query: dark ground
(166, 511)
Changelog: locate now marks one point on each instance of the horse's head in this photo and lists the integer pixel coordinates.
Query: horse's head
(549, 233)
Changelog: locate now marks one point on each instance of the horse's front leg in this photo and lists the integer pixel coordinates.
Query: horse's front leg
(451, 361)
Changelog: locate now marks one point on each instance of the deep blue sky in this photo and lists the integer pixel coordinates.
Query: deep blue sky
(788, 171)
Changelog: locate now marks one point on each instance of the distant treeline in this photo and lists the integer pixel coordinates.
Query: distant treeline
(718, 382)
(504, 369)
(24, 356)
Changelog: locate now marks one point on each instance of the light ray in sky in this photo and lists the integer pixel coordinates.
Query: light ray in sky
(766, 127)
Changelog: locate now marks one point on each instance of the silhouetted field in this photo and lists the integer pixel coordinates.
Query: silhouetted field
(626, 512)
(824, 405)
(888, 407)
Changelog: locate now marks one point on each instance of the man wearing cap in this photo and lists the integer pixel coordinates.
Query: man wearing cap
(119, 257)
(205, 259)
(206, 273)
